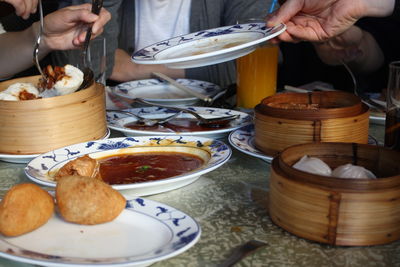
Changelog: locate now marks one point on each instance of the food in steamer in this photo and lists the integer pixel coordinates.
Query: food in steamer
(317, 166)
(60, 81)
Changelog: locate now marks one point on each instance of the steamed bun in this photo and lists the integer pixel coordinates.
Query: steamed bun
(70, 82)
(352, 171)
(313, 165)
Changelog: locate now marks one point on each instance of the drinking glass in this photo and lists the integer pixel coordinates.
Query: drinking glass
(392, 125)
(96, 58)
(256, 73)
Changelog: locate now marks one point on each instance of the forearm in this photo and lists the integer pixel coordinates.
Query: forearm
(356, 47)
(126, 70)
(16, 51)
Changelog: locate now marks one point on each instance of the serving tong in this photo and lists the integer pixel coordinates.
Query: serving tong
(88, 75)
(37, 45)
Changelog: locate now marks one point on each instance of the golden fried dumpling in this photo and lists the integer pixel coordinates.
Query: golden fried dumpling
(86, 200)
(24, 208)
(82, 166)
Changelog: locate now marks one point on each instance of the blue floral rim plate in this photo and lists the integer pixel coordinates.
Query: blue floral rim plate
(145, 232)
(207, 47)
(243, 140)
(116, 120)
(42, 168)
(158, 91)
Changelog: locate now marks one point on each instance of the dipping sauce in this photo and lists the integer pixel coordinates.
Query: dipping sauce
(177, 125)
(143, 167)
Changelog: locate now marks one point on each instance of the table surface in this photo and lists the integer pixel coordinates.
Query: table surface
(230, 205)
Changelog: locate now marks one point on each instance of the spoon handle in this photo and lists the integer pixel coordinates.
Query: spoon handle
(182, 87)
(242, 251)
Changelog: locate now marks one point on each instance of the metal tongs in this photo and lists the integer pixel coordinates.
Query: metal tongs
(88, 76)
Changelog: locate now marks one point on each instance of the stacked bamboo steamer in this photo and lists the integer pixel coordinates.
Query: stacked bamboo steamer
(340, 117)
(337, 211)
(40, 125)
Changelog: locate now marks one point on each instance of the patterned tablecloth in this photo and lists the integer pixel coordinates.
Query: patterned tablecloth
(230, 205)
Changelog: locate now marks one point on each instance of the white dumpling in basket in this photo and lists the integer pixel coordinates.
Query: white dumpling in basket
(352, 171)
(313, 165)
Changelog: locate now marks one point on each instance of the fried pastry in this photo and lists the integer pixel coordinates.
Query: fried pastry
(86, 200)
(24, 208)
(82, 166)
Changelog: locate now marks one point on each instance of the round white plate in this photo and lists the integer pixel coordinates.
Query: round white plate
(160, 92)
(243, 140)
(144, 233)
(116, 121)
(207, 47)
(40, 169)
(26, 158)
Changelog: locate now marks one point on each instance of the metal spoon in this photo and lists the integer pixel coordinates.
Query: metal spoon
(211, 122)
(37, 44)
(88, 76)
(145, 121)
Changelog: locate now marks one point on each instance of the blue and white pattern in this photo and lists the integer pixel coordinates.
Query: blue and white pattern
(170, 232)
(208, 46)
(116, 121)
(161, 92)
(42, 168)
(243, 140)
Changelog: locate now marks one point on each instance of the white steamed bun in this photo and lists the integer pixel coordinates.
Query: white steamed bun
(352, 171)
(71, 82)
(13, 91)
(313, 165)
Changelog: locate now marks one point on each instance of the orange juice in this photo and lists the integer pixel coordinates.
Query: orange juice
(256, 76)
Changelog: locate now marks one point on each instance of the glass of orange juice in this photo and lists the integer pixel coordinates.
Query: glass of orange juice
(256, 75)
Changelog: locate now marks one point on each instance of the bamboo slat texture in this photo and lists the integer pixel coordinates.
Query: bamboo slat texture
(37, 126)
(338, 211)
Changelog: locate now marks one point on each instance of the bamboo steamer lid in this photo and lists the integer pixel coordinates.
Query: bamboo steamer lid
(337, 211)
(40, 125)
(340, 117)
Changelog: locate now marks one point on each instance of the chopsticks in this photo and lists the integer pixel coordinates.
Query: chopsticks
(164, 77)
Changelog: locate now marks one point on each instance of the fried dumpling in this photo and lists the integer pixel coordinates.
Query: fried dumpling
(24, 208)
(86, 200)
(82, 166)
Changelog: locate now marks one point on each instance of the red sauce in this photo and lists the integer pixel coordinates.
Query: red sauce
(135, 168)
(177, 125)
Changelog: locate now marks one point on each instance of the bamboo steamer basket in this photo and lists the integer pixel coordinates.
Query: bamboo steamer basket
(40, 125)
(342, 117)
(337, 211)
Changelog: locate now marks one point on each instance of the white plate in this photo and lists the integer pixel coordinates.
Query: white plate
(40, 169)
(144, 233)
(116, 121)
(207, 47)
(26, 158)
(243, 140)
(160, 92)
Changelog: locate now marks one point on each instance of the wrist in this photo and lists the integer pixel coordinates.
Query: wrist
(44, 47)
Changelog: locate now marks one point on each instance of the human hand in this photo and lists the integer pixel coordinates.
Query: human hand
(315, 20)
(24, 8)
(66, 28)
